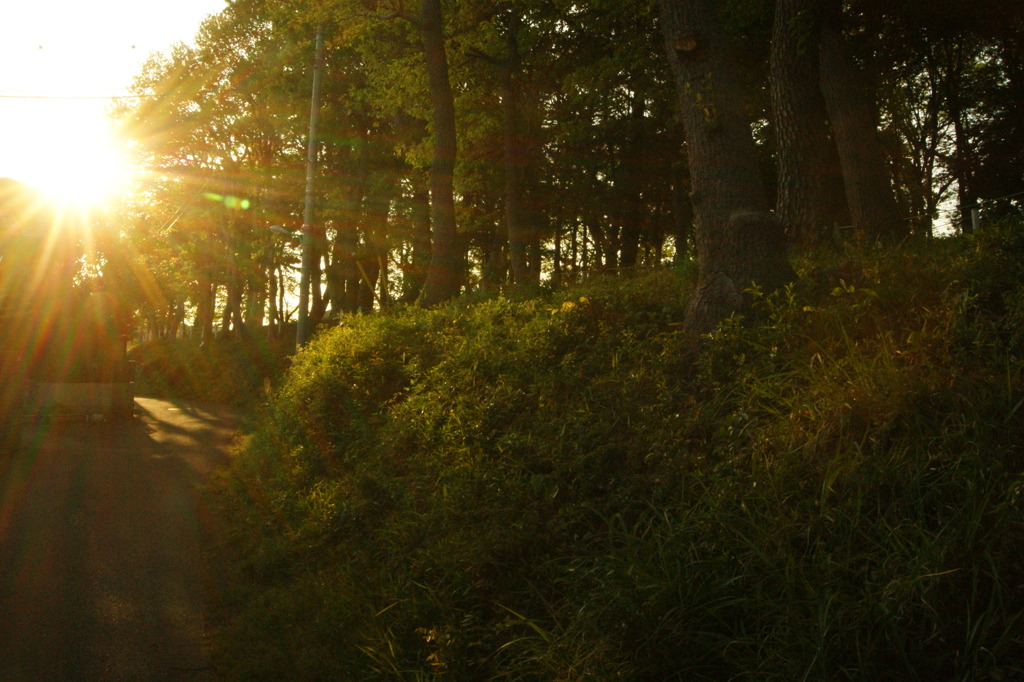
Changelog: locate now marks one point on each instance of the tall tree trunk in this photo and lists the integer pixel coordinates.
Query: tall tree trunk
(809, 183)
(255, 304)
(272, 300)
(225, 316)
(534, 255)
(318, 306)
(961, 167)
(368, 273)
(343, 275)
(574, 249)
(556, 265)
(205, 308)
(282, 307)
(682, 209)
(515, 154)
(605, 247)
(234, 311)
(444, 277)
(384, 280)
(419, 215)
(176, 315)
(494, 268)
(737, 241)
(628, 182)
(378, 206)
(335, 282)
(584, 249)
(854, 116)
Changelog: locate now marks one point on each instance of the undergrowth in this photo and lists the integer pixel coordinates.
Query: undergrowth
(222, 370)
(559, 489)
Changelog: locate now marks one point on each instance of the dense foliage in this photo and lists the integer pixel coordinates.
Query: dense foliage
(563, 488)
(569, 152)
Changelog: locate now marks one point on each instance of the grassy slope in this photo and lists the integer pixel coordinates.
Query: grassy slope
(550, 490)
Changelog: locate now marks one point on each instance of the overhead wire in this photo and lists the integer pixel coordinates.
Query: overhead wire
(69, 97)
(60, 49)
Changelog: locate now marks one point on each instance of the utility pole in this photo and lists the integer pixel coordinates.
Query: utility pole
(304, 330)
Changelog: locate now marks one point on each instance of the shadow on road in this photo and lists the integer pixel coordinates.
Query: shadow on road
(103, 541)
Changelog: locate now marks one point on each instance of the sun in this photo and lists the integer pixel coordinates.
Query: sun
(87, 172)
(78, 163)
(91, 176)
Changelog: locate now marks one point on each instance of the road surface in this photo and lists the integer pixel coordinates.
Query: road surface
(104, 546)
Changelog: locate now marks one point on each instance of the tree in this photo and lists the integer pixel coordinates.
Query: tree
(738, 242)
(212, 126)
(854, 115)
(514, 149)
(808, 200)
(444, 276)
(555, 153)
(942, 74)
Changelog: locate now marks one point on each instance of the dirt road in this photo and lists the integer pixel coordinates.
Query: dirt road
(103, 546)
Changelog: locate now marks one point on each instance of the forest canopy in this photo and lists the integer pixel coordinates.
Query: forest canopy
(480, 145)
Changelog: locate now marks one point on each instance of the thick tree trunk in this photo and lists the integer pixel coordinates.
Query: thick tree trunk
(737, 241)
(854, 116)
(809, 182)
(444, 277)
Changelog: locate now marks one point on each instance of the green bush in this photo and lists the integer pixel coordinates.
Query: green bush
(564, 488)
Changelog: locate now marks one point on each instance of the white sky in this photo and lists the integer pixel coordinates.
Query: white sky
(68, 48)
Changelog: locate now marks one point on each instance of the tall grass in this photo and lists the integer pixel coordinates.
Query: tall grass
(559, 489)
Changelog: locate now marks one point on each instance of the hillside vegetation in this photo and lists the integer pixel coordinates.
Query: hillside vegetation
(565, 488)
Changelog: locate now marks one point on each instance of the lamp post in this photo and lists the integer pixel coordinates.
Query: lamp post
(304, 329)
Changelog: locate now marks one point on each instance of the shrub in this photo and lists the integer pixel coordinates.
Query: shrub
(562, 488)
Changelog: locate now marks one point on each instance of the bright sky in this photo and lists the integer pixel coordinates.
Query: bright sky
(55, 50)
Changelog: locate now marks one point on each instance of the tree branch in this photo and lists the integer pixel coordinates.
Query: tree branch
(477, 53)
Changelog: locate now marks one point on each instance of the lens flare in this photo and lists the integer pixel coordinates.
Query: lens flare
(72, 164)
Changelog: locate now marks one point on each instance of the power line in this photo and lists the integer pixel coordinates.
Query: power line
(1008, 196)
(68, 46)
(65, 97)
